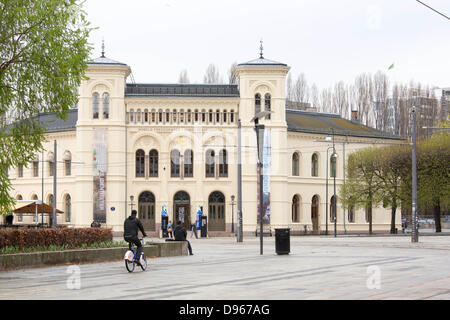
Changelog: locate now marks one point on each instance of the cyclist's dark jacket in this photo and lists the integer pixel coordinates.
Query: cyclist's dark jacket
(180, 233)
(131, 226)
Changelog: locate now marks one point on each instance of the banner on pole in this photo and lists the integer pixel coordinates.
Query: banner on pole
(99, 165)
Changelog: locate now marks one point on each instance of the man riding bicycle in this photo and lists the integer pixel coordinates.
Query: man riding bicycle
(130, 233)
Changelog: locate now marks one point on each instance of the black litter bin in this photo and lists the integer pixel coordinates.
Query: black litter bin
(282, 241)
(203, 227)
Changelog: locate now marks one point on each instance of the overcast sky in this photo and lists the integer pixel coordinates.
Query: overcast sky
(327, 40)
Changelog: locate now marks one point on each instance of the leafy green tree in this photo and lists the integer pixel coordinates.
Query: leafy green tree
(434, 174)
(43, 54)
(362, 186)
(388, 169)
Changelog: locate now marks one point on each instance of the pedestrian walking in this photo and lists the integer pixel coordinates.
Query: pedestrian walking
(170, 229)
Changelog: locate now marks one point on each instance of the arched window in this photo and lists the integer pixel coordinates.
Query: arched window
(51, 163)
(232, 116)
(67, 158)
(203, 116)
(332, 166)
(95, 105)
(210, 163)
(223, 163)
(153, 116)
(174, 116)
(140, 163)
(295, 164)
(138, 116)
(267, 104)
(257, 103)
(160, 116)
(189, 116)
(68, 207)
(181, 116)
(153, 163)
(196, 115)
(332, 210)
(106, 105)
(188, 163)
(175, 163)
(19, 216)
(315, 165)
(211, 117)
(36, 166)
(20, 170)
(132, 116)
(295, 209)
(217, 116)
(167, 115)
(146, 115)
(224, 116)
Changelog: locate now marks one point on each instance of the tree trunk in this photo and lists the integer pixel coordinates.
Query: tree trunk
(393, 210)
(370, 218)
(437, 215)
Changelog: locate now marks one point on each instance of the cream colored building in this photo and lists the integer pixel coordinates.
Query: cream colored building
(175, 145)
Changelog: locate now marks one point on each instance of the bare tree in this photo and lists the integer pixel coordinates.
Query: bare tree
(325, 100)
(232, 79)
(381, 101)
(301, 90)
(364, 96)
(339, 100)
(183, 78)
(289, 88)
(212, 75)
(314, 96)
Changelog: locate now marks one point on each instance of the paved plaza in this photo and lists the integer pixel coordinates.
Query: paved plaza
(317, 268)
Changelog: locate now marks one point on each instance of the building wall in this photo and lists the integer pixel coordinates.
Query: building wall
(125, 136)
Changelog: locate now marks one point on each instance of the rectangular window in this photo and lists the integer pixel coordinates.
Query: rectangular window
(20, 170)
(35, 168)
(68, 165)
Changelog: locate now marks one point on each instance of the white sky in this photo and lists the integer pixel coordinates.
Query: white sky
(327, 40)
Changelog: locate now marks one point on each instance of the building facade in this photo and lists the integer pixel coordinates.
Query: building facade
(172, 148)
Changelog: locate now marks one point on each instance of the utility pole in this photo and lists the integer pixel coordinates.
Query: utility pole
(54, 186)
(239, 196)
(415, 218)
(42, 197)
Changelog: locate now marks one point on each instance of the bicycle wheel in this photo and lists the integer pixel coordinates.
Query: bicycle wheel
(129, 265)
(143, 262)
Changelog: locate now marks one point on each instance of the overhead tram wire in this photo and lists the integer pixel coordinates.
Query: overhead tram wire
(433, 9)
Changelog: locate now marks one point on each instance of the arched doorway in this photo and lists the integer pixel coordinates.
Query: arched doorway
(216, 211)
(146, 210)
(315, 213)
(295, 209)
(181, 209)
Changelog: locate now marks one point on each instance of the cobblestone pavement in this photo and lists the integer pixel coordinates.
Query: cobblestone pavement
(221, 268)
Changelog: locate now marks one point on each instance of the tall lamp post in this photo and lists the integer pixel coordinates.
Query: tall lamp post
(259, 128)
(232, 214)
(239, 188)
(131, 202)
(415, 220)
(334, 156)
(326, 199)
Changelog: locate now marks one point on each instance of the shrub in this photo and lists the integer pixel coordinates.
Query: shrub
(26, 238)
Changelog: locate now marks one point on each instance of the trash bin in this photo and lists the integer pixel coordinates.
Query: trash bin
(282, 241)
(204, 226)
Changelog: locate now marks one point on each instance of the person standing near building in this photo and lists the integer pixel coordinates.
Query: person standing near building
(170, 229)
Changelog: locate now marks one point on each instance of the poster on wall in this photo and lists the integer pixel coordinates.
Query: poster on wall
(99, 165)
(266, 179)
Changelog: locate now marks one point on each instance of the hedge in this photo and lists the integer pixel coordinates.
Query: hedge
(25, 238)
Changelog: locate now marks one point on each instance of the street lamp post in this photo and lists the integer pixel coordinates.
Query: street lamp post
(131, 202)
(326, 199)
(232, 214)
(415, 231)
(334, 156)
(239, 237)
(259, 128)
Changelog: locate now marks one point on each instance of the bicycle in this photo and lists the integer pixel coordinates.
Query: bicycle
(130, 263)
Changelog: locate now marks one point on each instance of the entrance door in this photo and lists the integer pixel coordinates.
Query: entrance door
(146, 210)
(216, 212)
(315, 213)
(181, 209)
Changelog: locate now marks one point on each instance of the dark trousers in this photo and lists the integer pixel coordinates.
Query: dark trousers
(138, 244)
(189, 246)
